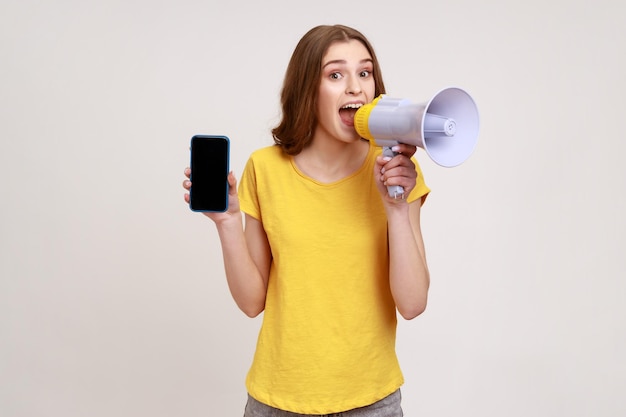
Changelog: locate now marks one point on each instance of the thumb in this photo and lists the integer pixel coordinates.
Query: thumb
(232, 183)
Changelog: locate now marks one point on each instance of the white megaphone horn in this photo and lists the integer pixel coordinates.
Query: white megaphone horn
(446, 127)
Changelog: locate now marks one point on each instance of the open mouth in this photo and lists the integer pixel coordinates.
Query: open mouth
(348, 111)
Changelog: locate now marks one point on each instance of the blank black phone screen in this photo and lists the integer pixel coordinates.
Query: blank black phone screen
(209, 173)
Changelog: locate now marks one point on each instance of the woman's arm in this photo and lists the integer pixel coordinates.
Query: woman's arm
(246, 262)
(409, 277)
(246, 253)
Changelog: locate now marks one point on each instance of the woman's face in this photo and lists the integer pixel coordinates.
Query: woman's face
(347, 83)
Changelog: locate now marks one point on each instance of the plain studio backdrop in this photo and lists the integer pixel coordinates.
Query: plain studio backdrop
(113, 300)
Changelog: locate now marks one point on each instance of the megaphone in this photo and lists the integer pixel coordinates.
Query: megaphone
(446, 126)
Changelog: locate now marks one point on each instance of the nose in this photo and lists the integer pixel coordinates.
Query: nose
(354, 86)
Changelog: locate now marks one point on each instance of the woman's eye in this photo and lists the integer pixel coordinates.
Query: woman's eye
(335, 75)
(365, 73)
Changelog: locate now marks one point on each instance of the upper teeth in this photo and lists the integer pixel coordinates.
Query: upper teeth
(352, 106)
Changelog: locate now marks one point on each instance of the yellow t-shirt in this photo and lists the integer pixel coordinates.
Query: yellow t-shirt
(327, 342)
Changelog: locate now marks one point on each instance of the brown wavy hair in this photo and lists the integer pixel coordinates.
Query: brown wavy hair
(302, 80)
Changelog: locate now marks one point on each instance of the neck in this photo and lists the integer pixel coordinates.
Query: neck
(331, 161)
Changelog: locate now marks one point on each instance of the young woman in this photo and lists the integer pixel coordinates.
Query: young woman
(326, 253)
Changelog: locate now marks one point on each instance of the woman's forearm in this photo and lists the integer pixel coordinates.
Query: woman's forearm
(409, 277)
(247, 284)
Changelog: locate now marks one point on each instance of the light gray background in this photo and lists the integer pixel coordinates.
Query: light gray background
(113, 300)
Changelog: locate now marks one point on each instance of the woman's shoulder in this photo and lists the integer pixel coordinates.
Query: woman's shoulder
(269, 158)
(272, 152)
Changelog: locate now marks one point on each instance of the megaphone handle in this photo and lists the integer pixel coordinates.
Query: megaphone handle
(395, 191)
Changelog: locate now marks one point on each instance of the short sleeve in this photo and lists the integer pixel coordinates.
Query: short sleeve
(248, 196)
(421, 190)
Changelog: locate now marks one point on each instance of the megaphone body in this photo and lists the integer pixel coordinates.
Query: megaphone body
(446, 127)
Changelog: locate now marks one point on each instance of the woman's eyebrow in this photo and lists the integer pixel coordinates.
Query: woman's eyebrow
(343, 61)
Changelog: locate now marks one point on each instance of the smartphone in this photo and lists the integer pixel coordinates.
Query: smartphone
(210, 156)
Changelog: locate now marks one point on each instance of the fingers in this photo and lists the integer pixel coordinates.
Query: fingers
(404, 149)
(401, 161)
(187, 183)
(399, 170)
